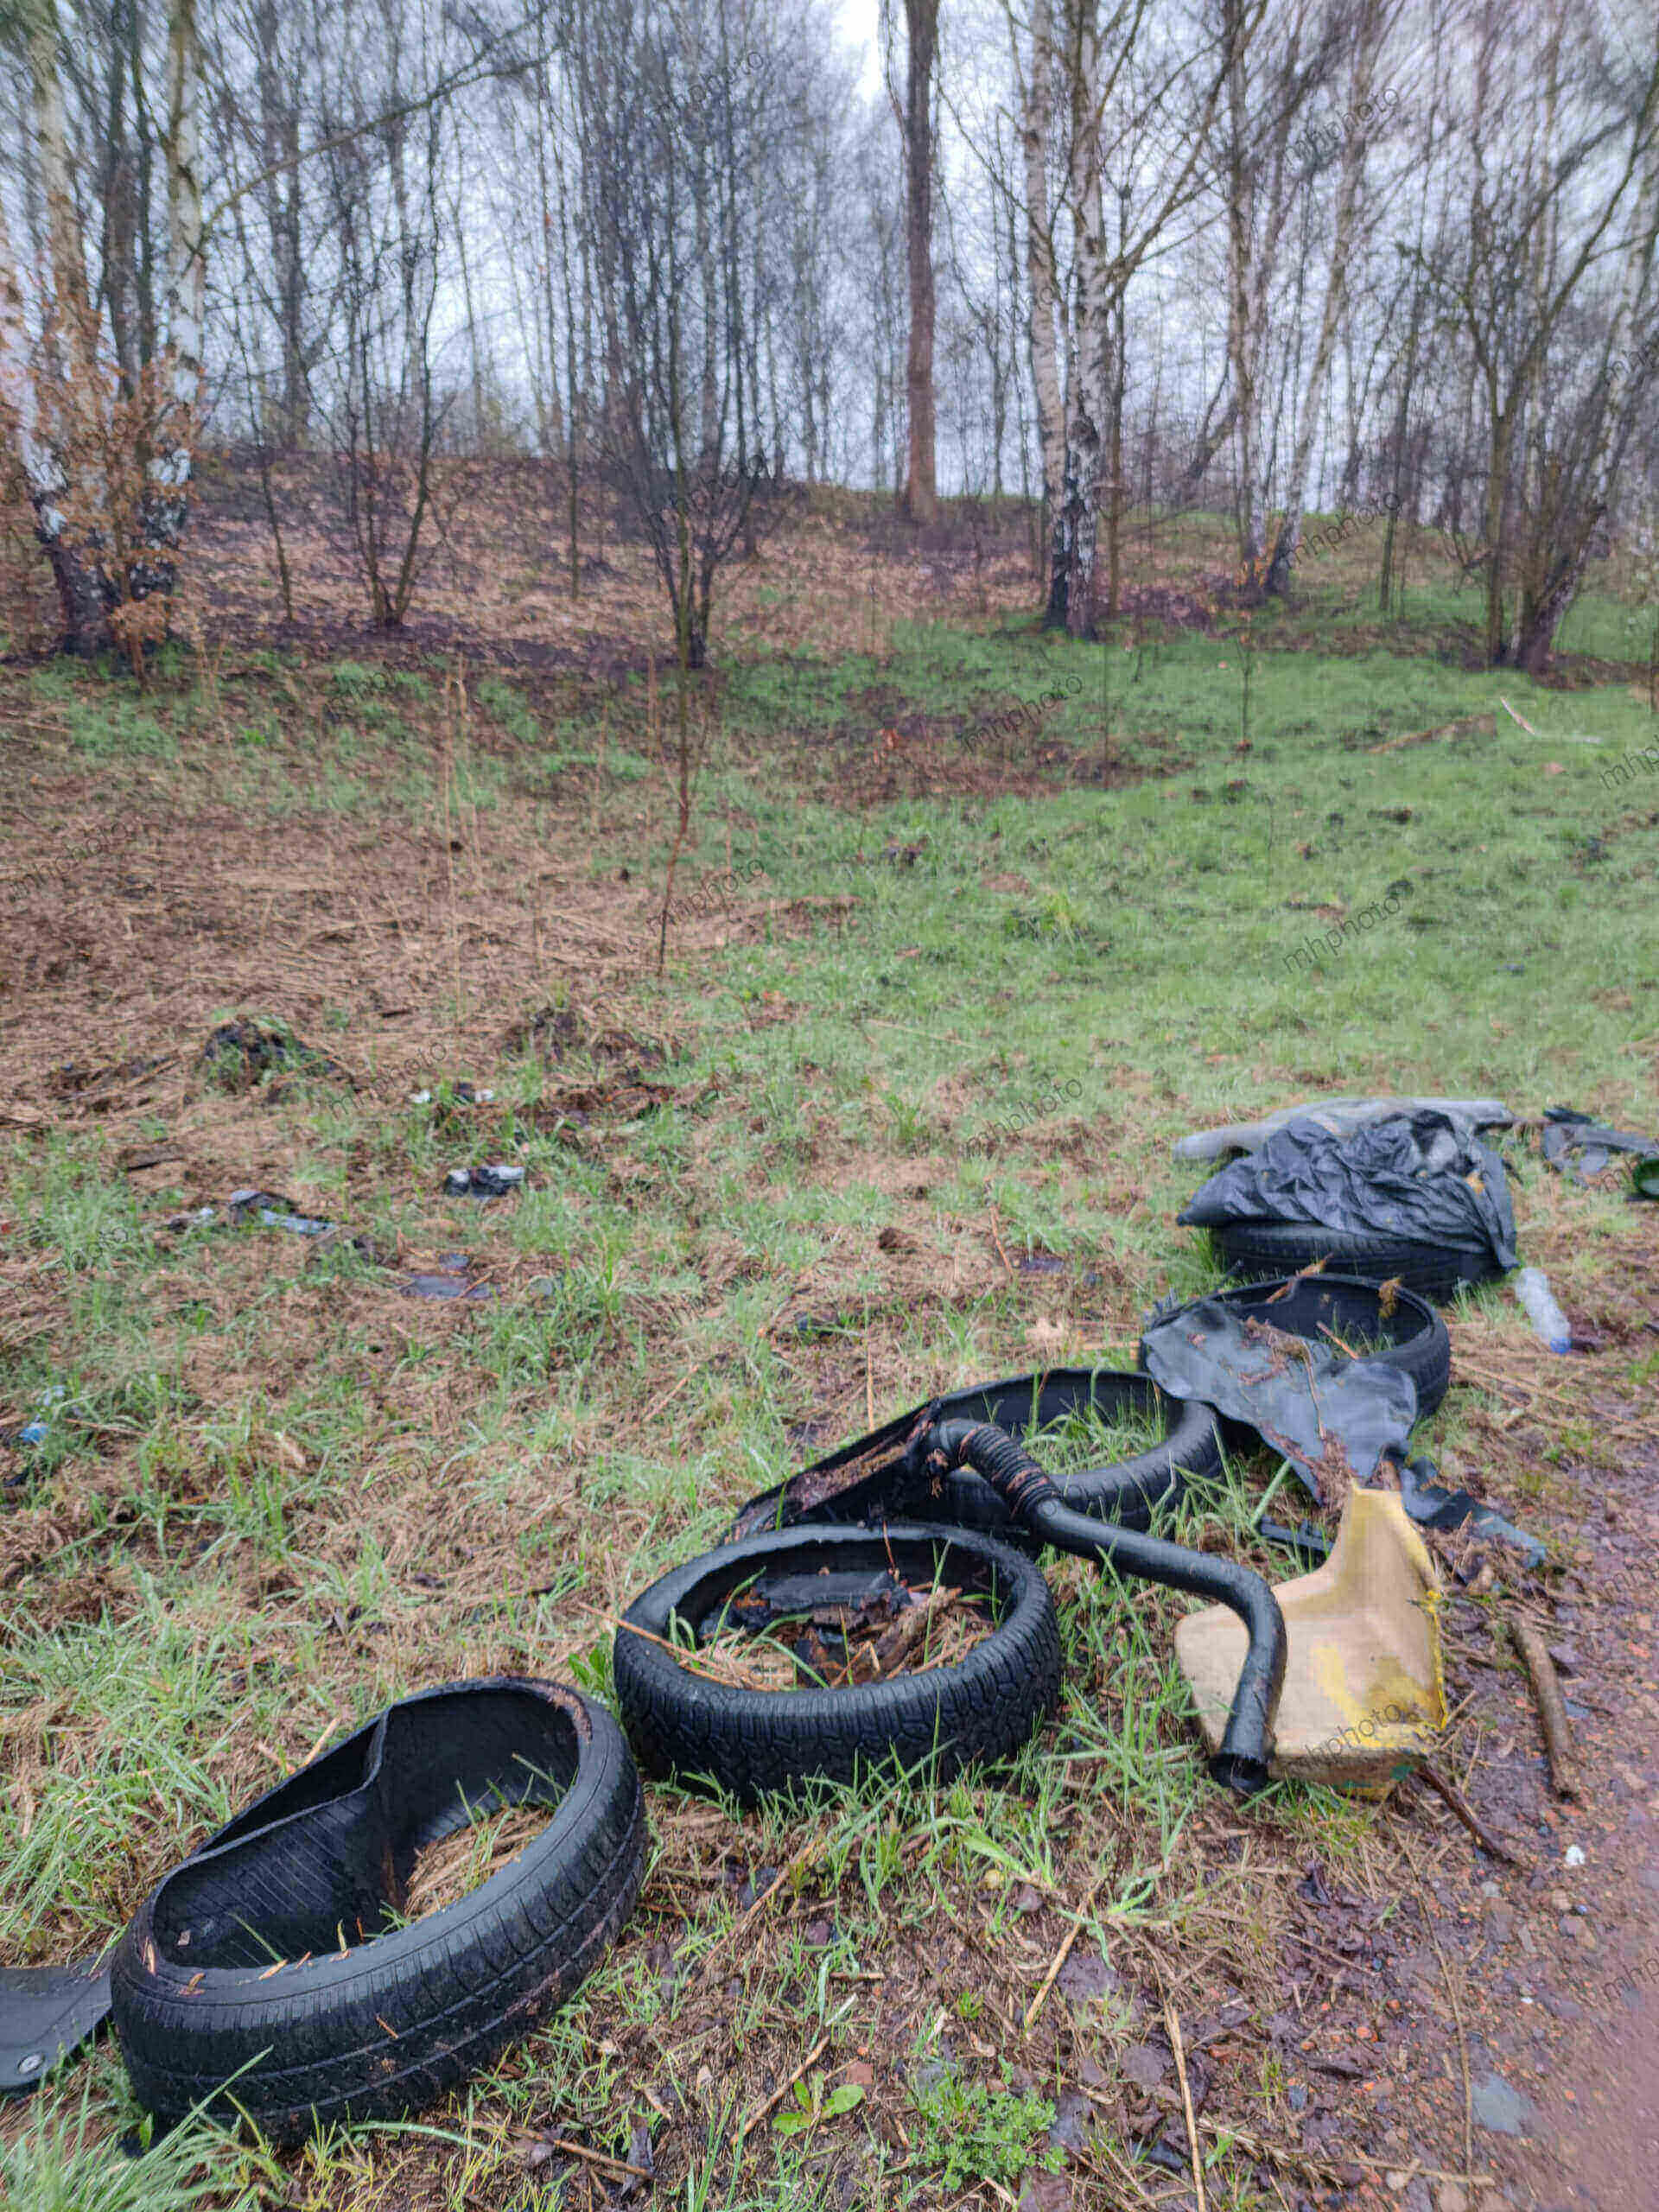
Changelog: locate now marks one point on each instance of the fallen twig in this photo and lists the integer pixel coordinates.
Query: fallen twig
(997, 1241)
(1457, 2021)
(1061, 1955)
(1514, 717)
(1552, 1709)
(594, 2157)
(1467, 1813)
(807, 1850)
(754, 2119)
(1173, 2022)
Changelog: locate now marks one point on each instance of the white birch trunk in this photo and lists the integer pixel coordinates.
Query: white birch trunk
(68, 385)
(1091, 385)
(1036, 121)
(20, 404)
(186, 281)
(1348, 193)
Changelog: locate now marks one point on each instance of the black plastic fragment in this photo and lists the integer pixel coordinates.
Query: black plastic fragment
(1570, 1137)
(271, 1211)
(488, 1182)
(1431, 1505)
(45, 2011)
(238, 1054)
(1305, 1539)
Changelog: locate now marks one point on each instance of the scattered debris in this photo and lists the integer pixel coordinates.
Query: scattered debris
(37, 1432)
(489, 1182)
(452, 1279)
(255, 1208)
(1432, 1506)
(197, 1217)
(274, 1212)
(238, 1055)
(460, 1094)
(1538, 1303)
(1571, 1136)
(556, 1031)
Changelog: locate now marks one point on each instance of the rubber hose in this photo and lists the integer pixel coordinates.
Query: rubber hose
(1028, 1492)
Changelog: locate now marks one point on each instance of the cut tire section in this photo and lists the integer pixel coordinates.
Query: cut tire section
(379, 2028)
(1329, 1309)
(752, 1742)
(871, 1479)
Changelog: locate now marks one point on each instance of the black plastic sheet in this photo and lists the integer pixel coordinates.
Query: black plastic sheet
(1334, 1419)
(1423, 1177)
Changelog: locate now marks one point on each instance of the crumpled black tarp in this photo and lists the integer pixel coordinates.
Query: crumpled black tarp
(1425, 1176)
(1333, 1418)
(1568, 1133)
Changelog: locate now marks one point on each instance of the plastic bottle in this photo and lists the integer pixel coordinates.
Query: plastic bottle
(1532, 1288)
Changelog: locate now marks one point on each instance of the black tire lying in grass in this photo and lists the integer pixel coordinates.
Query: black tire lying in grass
(1125, 1490)
(866, 1481)
(1260, 1249)
(1333, 1310)
(372, 2029)
(751, 1742)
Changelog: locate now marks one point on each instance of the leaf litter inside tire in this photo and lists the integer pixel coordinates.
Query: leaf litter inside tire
(449, 1870)
(898, 1628)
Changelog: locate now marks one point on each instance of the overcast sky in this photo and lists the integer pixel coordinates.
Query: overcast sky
(860, 23)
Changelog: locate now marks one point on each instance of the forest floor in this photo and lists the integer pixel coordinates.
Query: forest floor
(764, 1206)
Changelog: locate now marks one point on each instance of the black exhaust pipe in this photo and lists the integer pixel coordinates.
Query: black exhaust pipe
(1031, 1497)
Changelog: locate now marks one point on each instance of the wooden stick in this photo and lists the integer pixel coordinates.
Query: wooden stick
(1173, 2022)
(1552, 1708)
(1467, 1813)
(1061, 1955)
(1514, 717)
(594, 2157)
(997, 1241)
(783, 2089)
(1457, 2021)
(807, 1851)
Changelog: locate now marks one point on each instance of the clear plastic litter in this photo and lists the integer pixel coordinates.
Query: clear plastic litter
(465, 1094)
(1532, 1288)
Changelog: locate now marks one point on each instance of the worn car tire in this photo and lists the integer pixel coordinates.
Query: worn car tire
(754, 1742)
(1418, 1342)
(1257, 1249)
(385, 2026)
